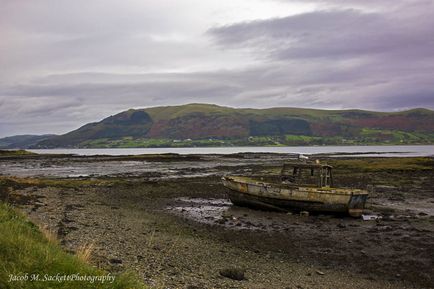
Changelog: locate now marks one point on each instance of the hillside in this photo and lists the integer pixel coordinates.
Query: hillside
(212, 125)
(22, 141)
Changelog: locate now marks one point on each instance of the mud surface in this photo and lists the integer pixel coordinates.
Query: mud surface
(162, 166)
(173, 223)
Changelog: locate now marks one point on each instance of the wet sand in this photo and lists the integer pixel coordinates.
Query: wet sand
(169, 219)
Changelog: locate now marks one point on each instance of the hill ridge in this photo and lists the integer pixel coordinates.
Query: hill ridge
(222, 125)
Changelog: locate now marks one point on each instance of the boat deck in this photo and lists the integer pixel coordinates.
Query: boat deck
(299, 187)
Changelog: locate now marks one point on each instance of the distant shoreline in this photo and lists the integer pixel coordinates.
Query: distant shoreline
(383, 150)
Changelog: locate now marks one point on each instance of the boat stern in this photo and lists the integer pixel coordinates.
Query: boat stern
(357, 204)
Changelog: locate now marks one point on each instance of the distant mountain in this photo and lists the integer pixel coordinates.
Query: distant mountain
(22, 141)
(211, 125)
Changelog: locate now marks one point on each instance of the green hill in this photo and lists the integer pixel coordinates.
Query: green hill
(212, 125)
(22, 141)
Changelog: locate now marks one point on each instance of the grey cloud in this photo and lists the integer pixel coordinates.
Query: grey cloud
(66, 63)
(73, 104)
(332, 34)
(376, 59)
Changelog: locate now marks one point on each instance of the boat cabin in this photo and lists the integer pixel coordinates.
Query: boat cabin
(308, 174)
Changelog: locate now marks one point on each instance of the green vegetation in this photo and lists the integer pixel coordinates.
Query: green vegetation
(367, 137)
(12, 153)
(129, 142)
(172, 112)
(384, 164)
(22, 141)
(16, 183)
(26, 251)
(211, 125)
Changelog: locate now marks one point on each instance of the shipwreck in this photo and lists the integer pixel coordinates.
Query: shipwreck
(299, 187)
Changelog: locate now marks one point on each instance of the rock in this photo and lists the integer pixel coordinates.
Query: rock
(304, 213)
(193, 287)
(384, 188)
(320, 272)
(222, 221)
(115, 261)
(233, 273)
(342, 225)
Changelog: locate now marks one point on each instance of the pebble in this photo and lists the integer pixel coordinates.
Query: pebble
(233, 273)
(115, 261)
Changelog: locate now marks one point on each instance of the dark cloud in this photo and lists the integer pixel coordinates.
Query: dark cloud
(377, 59)
(341, 34)
(66, 63)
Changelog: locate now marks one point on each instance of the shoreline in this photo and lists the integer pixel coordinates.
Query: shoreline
(137, 221)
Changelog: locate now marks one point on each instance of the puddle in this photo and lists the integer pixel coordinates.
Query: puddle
(78, 176)
(66, 167)
(419, 207)
(207, 211)
(221, 212)
(370, 217)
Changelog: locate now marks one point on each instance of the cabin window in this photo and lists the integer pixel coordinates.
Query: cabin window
(318, 176)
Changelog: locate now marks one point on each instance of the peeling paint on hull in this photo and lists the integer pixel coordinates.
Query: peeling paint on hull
(253, 193)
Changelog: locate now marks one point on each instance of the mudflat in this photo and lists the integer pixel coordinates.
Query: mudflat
(168, 218)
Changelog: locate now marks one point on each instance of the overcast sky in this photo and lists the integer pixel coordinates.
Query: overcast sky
(64, 63)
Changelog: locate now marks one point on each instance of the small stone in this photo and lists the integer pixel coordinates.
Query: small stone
(304, 213)
(115, 261)
(342, 225)
(320, 272)
(222, 221)
(193, 287)
(233, 273)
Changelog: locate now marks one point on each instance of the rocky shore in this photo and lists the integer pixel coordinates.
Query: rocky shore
(168, 218)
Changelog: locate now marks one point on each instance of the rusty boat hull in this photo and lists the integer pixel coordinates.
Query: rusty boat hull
(249, 192)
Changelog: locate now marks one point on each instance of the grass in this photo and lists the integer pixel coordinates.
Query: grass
(170, 112)
(11, 153)
(25, 249)
(17, 183)
(366, 137)
(385, 164)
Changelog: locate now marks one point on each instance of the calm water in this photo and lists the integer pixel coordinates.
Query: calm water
(388, 151)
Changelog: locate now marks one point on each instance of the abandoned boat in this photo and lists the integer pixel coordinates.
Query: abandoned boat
(301, 186)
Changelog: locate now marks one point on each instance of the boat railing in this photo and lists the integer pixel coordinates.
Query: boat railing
(307, 174)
